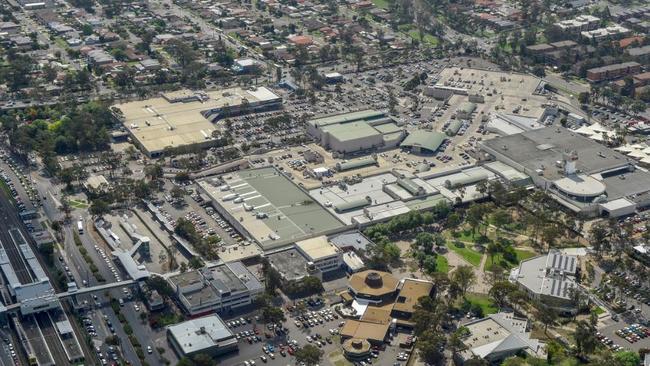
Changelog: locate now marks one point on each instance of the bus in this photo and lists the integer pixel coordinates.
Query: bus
(80, 226)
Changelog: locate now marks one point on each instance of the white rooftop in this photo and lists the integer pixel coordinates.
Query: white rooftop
(200, 334)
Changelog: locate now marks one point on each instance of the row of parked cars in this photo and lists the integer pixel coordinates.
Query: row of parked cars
(608, 342)
(109, 263)
(633, 333)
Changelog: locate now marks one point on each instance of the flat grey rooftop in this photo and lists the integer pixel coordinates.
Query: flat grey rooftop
(535, 149)
(627, 184)
(290, 263)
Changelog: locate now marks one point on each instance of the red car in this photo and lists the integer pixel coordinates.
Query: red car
(290, 350)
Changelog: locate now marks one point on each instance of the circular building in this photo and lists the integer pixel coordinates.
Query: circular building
(374, 286)
(582, 188)
(355, 348)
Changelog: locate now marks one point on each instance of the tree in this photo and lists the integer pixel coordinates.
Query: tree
(203, 359)
(424, 242)
(177, 192)
(154, 171)
(99, 208)
(309, 354)
(464, 278)
(271, 314)
(627, 358)
(430, 345)
(474, 216)
(554, 351)
(500, 292)
(312, 284)
(456, 343)
(272, 278)
(453, 220)
(550, 234)
(545, 315)
(195, 262)
(585, 337)
(476, 361)
(501, 218)
(161, 285)
(428, 314)
(598, 238)
(186, 230)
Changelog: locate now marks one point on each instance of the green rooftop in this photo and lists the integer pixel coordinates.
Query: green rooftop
(365, 115)
(350, 131)
(428, 140)
(291, 213)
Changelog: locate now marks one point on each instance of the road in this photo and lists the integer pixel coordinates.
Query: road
(566, 85)
(206, 27)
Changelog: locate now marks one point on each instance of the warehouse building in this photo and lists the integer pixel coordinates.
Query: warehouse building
(356, 132)
(268, 207)
(380, 197)
(356, 163)
(465, 110)
(185, 118)
(579, 173)
(208, 335)
(423, 142)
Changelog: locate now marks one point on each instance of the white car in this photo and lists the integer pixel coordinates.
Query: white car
(149, 350)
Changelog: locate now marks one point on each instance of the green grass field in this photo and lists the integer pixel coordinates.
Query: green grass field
(77, 204)
(521, 255)
(442, 264)
(470, 255)
(427, 39)
(483, 301)
(381, 3)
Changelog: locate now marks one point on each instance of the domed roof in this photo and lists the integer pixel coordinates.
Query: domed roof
(372, 283)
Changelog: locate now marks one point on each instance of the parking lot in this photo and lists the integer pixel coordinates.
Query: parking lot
(305, 324)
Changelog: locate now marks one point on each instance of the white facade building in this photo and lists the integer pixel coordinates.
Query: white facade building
(319, 251)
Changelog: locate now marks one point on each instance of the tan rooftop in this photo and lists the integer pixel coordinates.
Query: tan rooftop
(378, 314)
(411, 291)
(180, 118)
(317, 248)
(373, 283)
(364, 330)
